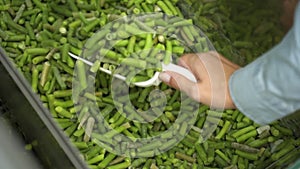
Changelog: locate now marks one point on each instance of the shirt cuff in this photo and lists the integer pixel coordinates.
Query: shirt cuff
(248, 99)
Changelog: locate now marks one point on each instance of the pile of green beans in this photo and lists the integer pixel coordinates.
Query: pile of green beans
(37, 36)
(143, 42)
(240, 30)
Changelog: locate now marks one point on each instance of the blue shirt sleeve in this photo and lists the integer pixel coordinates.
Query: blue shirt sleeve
(269, 88)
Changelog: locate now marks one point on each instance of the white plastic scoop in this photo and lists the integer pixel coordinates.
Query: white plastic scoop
(152, 81)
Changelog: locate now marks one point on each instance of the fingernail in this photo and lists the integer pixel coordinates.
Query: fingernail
(164, 77)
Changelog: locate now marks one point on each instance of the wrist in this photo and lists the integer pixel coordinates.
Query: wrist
(229, 98)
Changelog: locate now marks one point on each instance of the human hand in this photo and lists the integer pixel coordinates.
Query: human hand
(212, 72)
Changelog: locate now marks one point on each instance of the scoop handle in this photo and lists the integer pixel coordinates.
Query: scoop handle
(101, 69)
(180, 70)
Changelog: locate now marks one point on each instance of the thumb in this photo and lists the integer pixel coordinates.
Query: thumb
(181, 83)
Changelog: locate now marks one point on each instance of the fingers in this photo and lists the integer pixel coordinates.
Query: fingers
(198, 63)
(180, 82)
(193, 63)
(211, 70)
